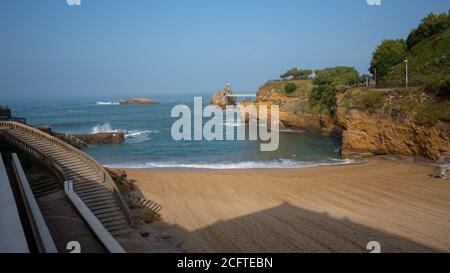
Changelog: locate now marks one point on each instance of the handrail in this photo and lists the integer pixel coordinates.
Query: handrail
(49, 162)
(40, 229)
(100, 231)
(77, 140)
(106, 178)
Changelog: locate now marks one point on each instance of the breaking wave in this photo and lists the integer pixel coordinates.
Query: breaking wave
(139, 136)
(274, 164)
(133, 136)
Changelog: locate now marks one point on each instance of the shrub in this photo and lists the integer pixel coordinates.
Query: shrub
(429, 115)
(290, 87)
(363, 99)
(322, 97)
(439, 87)
(372, 100)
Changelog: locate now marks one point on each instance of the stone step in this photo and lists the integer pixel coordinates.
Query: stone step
(91, 190)
(87, 186)
(102, 206)
(120, 222)
(110, 218)
(100, 211)
(94, 194)
(109, 215)
(44, 186)
(103, 200)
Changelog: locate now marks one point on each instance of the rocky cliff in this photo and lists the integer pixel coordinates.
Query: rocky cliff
(369, 122)
(220, 98)
(295, 109)
(399, 122)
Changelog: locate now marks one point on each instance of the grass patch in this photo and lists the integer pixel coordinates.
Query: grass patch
(430, 114)
(363, 99)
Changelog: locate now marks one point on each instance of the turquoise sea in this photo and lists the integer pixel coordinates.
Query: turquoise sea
(149, 144)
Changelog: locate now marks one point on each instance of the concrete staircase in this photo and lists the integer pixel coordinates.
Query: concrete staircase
(91, 182)
(44, 185)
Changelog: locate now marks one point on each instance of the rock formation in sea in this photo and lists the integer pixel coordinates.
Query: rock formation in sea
(221, 99)
(137, 101)
(102, 138)
(82, 141)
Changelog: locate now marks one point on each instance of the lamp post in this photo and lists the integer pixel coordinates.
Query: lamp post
(406, 63)
(375, 76)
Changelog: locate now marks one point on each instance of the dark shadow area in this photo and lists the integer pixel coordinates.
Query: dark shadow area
(288, 229)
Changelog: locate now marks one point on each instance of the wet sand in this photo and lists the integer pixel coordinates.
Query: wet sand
(325, 209)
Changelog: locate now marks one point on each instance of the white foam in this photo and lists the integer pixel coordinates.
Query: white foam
(139, 136)
(133, 136)
(102, 128)
(275, 164)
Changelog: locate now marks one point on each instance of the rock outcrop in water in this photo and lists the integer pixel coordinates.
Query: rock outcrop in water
(221, 99)
(102, 138)
(383, 123)
(137, 101)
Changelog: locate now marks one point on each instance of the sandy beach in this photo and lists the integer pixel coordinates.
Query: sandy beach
(325, 209)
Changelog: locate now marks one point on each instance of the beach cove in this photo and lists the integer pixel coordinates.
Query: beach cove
(323, 209)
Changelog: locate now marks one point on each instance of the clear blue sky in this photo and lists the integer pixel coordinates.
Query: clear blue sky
(151, 47)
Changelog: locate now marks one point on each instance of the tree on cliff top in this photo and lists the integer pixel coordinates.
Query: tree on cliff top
(388, 54)
(297, 74)
(429, 26)
(335, 76)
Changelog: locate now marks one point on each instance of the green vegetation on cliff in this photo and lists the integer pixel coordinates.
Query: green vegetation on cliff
(427, 50)
(413, 103)
(290, 87)
(335, 76)
(363, 99)
(297, 74)
(429, 26)
(302, 86)
(388, 54)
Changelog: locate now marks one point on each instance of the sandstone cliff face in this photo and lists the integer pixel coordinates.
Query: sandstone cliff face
(380, 132)
(379, 124)
(295, 111)
(220, 98)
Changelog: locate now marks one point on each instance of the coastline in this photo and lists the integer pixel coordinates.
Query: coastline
(320, 209)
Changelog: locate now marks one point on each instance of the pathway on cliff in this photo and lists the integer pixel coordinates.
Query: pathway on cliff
(91, 182)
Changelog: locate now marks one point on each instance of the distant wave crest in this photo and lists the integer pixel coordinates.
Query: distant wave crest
(274, 164)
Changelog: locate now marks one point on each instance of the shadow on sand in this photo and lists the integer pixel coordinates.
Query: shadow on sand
(286, 229)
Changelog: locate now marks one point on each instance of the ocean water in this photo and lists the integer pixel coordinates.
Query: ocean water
(148, 142)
